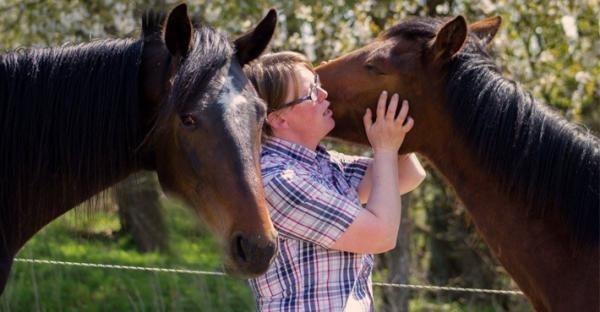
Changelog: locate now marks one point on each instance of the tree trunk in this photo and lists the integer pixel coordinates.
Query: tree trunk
(139, 212)
(459, 256)
(397, 263)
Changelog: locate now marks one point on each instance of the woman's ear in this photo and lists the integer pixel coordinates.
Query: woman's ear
(276, 121)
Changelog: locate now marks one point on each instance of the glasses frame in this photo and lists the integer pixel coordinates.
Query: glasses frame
(313, 94)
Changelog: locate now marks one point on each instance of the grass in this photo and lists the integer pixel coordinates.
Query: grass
(45, 287)
(77, 237)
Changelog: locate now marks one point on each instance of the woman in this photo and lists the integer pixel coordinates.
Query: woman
(326, 238)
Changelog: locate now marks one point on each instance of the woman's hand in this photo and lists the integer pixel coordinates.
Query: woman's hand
(387, 133)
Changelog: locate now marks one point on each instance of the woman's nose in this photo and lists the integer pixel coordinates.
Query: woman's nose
(321, 94)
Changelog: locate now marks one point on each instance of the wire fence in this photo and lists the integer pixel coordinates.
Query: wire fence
(212, 273)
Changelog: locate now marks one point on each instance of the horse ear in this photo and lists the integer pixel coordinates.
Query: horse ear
(449, 39)
(252, 44)
(178, 31)
(486, 29)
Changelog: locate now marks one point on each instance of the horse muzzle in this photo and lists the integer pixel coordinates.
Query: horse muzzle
(251, 255)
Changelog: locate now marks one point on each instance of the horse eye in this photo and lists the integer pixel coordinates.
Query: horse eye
(373, 69)
(188, 120)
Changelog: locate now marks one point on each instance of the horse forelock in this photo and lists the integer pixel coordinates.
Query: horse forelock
(201, 74)
(414, 28)
(210, 54)
(539, 157)
(63, 110)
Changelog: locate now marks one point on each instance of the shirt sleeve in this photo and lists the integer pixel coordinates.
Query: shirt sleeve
(353, 167)
(303, 208)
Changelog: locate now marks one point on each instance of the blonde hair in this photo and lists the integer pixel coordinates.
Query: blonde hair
(271, 75)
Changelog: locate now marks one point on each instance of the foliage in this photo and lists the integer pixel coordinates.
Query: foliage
(550, 46)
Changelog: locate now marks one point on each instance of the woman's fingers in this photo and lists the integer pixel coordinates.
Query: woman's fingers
(391, 110)
(403, 112)
(381, 105)
(408, 124)
(368, 119)
(404, 121)
(386, 131)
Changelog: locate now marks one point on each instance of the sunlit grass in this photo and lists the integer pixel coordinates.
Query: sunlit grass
(77, 238)
(81, 237)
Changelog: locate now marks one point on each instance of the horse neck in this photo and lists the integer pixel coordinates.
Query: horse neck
(70, 129)
(530, 248)
(474, 186)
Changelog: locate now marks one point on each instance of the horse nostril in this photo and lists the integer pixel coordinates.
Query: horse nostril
(252, 253)
(240, 244)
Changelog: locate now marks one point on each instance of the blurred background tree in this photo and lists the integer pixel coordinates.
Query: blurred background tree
(552, 47)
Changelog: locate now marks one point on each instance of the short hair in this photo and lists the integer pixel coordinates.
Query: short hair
(271, 75)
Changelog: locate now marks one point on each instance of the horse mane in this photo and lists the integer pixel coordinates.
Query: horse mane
(63, 111)
(538, 156)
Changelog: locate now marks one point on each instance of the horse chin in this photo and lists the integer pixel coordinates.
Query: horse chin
(233, 270)
(234, 267)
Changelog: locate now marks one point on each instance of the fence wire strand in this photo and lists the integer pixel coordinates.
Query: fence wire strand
(212, 273)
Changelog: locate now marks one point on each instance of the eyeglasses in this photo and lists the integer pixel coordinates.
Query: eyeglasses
(313, 94)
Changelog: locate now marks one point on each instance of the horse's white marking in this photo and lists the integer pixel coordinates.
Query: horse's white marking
(230, 96)
(236, 112)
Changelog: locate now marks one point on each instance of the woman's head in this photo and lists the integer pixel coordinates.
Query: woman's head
(272, 75)
(288, 84)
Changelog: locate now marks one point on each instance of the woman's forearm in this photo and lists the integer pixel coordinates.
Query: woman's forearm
(384, 200)
(410, 172)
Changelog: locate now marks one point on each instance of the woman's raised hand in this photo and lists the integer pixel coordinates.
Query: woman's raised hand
(387, 133)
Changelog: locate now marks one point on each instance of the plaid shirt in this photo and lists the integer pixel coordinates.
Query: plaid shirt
(312, 200)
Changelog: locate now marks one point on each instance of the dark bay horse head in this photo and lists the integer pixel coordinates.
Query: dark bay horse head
(204, 143)
(77, 119)
(528, 178)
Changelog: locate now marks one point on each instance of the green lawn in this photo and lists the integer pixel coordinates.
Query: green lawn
(82, 237)
(45, 287)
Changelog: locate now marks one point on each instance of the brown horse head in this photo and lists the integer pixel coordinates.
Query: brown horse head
(205, 127)
(408, 59)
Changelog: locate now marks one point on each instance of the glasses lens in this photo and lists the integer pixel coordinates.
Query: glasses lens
(314, 90)
(314, 93)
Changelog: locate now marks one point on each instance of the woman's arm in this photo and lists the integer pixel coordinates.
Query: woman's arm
(410, 174)
(375, 228)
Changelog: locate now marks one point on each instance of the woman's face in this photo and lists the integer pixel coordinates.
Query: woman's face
(310, 119)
